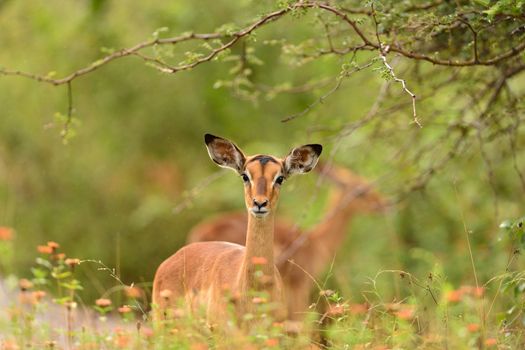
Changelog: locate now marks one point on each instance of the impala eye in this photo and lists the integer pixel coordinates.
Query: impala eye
(279, 180)
(245, 178)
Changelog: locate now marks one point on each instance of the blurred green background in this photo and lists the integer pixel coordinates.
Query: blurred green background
(138, 150)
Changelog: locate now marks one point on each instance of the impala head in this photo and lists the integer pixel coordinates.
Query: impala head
(355, 192)
(262, 175)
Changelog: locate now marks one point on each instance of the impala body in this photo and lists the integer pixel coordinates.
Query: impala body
(311, 251)
(206, 274)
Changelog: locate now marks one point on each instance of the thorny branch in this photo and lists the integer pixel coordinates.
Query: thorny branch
(235, 37)
(505, 60)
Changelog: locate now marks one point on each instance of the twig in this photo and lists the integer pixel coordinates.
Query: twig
(268, 18)
(340, 78)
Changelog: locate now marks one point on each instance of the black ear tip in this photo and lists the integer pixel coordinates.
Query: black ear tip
(317, 148)
(209, 138)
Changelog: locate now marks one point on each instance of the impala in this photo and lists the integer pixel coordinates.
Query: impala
(201, 272)
(311, 251)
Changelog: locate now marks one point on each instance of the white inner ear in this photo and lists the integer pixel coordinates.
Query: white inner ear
(293, 161)
(238, 158)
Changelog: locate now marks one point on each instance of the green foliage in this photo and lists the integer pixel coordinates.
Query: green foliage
(134, 176)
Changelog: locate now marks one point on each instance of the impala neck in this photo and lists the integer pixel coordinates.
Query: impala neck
(329, 234)
(259, 246)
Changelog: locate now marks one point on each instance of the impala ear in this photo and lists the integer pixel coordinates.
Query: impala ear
(302, 159)
(224, 152)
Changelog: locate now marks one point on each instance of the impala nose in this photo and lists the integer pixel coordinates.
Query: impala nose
(260, 204)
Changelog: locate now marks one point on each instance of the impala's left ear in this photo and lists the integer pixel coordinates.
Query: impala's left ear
(302, 159)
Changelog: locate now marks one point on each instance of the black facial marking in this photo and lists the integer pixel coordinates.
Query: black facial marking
(264, 159)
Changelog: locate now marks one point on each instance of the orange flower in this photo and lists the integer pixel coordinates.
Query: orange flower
(259, 260)
(122, 339)
(406, 313)
(72, 262)
(25, 284)
(473, 291)
(59, 256)
(38, 295)
(102, 302)
(272, 342)
(44, 249)
(9, 345)
(53, 245)
(337, 310)
(124, 309)
(455, 296)
(199, 346)
(165, 293)
(491, 342)
(6, 233)
(147, 332)
(473, 327)
(133, 292)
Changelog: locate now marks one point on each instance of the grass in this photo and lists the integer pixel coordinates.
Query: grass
(48, 311)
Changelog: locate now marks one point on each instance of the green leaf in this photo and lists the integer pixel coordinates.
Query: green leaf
(44, 262)
(507, 225)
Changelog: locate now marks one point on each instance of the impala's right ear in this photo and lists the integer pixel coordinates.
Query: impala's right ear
(224, 152)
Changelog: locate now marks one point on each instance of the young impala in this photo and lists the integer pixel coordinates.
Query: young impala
(200, 272)
(311, 251)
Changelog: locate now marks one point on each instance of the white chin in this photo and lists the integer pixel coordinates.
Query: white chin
(259, 214)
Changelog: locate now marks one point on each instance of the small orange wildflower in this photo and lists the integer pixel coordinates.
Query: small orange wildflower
(455, 296)
(38, 295)
(259, 260)
(6, 233)
(199, 346)
(271, 342)
(122, 339)
(133, 292)
(53, 245)
(473, 327)
(406, 313)
(147, 332)
(491, 342)
(25, 284)
(72, 262)
(124, 309)
(59, 256)
(102, 302)
(44, 249)
(337, 310)
(9, 345)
